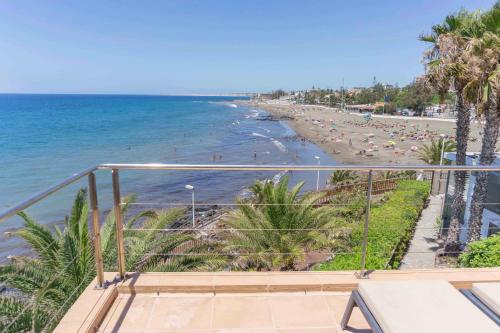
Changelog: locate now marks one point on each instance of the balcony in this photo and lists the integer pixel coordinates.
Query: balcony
(237, 302)
(262, 298)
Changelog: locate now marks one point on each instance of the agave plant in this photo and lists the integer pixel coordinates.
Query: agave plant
(431, 153)
(275, 233)
(46, 285)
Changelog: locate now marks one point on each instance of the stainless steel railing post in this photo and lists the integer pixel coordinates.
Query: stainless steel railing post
(362, 272)
(118, 223)
(96, 227)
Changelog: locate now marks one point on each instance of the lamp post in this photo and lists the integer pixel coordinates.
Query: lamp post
(317, 178)
(443, 138)
(443, 141)
(191, 187)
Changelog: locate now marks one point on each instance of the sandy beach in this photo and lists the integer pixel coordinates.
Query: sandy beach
(350, 139)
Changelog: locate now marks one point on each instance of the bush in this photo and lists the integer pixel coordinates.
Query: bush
(482, 253)
(390, 230)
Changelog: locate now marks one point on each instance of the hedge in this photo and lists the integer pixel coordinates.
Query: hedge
(390, 230)
(482, 253)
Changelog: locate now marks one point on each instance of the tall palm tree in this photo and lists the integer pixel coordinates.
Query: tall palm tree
(45, 286)
(484, 49)
(431, 153)
(446, 67)
(276, 232)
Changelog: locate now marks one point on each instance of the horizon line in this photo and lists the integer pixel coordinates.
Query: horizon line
(241, 94)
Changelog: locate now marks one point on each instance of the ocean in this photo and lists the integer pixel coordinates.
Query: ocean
(45, 138)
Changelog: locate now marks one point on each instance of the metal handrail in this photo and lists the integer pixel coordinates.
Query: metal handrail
(226, 167)
(250, 167)
(114, 167)
(45, 193)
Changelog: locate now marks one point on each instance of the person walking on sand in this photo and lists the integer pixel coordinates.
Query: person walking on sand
(254, 154)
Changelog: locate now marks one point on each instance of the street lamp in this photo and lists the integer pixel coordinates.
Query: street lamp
(191, 187)
(443, 141)
(317, 178)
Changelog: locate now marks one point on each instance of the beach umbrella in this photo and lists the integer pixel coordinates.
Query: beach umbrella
(392, 143)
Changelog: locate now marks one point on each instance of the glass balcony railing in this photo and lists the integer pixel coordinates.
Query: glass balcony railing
(194, 218)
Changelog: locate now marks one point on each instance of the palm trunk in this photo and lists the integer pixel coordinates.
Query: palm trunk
(487, 157)
(458, 205)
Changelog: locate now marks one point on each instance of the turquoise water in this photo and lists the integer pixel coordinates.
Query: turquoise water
(45, 138)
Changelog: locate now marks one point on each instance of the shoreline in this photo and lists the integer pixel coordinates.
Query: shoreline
(350, 139)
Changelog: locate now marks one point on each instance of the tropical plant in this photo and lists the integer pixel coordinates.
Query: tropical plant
(446, 66)
(482, 253)
(431, 153)
(484, 50)
(342, 177)
(386, 175)
(276, 233)
(45, 286)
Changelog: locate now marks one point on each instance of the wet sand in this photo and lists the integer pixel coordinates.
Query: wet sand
(350, 139)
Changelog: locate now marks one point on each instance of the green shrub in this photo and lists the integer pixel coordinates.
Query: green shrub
(390, 230)
(482, 253)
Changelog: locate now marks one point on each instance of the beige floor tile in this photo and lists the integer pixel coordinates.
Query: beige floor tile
(241, 312)
(177, 331)
(306, 311)
(111, 313)
(338, 303)
(244, 330)
(181, 313)
(308, 330)
(130, 314)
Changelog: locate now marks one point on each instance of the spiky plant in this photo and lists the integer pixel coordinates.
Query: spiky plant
(431, 153)
(43, 287)
(342, 177)
(48, 283)
(276, 233)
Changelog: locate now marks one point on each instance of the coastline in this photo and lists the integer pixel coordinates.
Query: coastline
(350, 139)
(182, 130)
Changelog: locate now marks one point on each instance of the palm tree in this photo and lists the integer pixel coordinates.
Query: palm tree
(446, 67)
(276, 232)
(45, 286)
(431, 153)
(484, 49)
(61, 270)
(342, 177)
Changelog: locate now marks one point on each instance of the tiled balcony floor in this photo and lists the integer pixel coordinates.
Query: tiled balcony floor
(313, 312)
(236, 302)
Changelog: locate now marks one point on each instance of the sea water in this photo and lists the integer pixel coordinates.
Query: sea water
(45, 138)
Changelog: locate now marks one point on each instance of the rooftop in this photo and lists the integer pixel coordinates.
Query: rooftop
(311, 302)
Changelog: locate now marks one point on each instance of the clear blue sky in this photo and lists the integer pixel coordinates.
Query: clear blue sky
(185, 46)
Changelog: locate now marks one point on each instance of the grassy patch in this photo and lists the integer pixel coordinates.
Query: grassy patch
(390, 230)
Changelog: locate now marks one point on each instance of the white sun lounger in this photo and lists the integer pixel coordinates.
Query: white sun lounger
(486, 296)
(417, 306)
